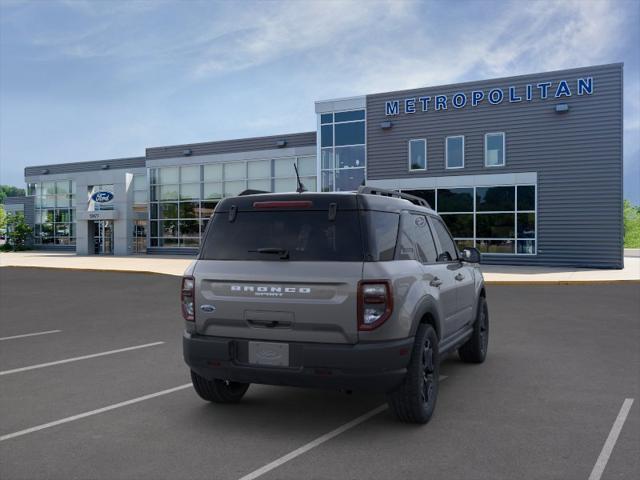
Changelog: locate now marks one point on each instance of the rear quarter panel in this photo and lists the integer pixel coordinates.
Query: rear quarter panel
(412, 298)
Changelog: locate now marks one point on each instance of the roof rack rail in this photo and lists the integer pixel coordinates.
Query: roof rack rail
(394, 193)
(251, 191)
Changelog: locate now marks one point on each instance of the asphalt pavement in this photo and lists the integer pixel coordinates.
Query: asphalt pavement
(101, 392)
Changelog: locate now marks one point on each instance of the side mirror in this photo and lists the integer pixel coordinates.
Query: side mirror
(471, 255)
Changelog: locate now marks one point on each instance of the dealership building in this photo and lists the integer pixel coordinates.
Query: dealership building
(528, 169)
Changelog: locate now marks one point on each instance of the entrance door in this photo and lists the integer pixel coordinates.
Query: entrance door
(103, 237)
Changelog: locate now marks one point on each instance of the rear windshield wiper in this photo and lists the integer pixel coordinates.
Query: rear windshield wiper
(284, 253)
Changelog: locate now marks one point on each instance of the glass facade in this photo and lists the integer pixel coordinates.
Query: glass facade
(343, 150)
(140, 214)
(54, 212)
(183, 198)
(494, 219)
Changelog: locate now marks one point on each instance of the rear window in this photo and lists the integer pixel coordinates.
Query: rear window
(284, 236)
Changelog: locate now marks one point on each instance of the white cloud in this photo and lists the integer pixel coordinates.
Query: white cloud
(535, 36)
(277, 30)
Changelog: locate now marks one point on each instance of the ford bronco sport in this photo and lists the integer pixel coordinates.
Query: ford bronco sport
(353, 291)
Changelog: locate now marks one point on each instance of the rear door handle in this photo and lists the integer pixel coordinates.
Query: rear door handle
(459, 277)
(436, 282)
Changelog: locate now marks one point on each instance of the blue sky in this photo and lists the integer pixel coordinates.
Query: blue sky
(88, 80)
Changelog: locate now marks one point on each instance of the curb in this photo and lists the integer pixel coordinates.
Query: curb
(562, 282)
(103, 270)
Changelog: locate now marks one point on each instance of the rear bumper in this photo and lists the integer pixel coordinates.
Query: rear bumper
(375, 367)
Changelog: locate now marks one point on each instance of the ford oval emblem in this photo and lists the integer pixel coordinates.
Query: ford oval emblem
(102, 197)
(207, 308)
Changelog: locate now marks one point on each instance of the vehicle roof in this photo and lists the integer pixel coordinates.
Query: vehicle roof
(321, 201)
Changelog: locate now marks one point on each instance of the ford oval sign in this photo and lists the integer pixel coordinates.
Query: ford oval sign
(102, 197)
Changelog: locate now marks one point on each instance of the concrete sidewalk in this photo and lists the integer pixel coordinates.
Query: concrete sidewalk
(167, 265)
(176, 265)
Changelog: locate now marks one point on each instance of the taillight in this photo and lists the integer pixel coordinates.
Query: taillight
(375, 303)
(284, 204)
(187, 298)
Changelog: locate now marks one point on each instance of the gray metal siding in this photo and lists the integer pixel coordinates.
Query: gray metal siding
(577, 156)
(29, 210)
(115, 164)
(230, 146)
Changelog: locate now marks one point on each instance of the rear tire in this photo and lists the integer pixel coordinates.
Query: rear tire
(475, 349)
(218, 391)
(415, 400)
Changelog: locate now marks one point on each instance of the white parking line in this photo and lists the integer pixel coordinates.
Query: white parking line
(75, 359)
(92, 412)
(601, 463)
(318, 441)
(30, 335)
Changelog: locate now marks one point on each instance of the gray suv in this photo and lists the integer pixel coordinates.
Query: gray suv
(352, 291)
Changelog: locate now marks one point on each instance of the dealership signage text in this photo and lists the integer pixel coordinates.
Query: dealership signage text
(102, 197)
(494, 96)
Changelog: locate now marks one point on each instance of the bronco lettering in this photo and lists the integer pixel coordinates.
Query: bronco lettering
(269, 289)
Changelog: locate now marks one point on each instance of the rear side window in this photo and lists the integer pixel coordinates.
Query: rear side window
(383, 233)
(416, 241)
(266, 235)
(449, 251)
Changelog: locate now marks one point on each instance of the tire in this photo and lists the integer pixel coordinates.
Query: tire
(415, 400)
(218, 391)
(475, 349)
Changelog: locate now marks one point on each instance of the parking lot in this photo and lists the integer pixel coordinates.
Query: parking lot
(102, 392)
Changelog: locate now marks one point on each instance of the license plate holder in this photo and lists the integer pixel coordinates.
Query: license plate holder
(269, 354)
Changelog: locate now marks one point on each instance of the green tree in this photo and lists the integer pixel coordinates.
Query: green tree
(18, 231)
(10, 191)
(3, 218)
(631, 225)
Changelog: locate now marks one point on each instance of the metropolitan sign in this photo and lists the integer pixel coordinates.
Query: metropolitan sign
(493, 96)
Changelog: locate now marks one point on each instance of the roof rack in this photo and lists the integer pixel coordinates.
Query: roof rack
(394, 193)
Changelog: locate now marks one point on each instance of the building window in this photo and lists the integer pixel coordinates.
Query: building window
(183, 198)
(417, 154)
(455, 206)
(140, 225)
(494, 150)
(454, 152)
(494, 219)
(54, 212)
(139, 186)
(342, 144)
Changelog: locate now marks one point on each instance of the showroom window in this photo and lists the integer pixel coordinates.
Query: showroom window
(342, 149)
(140, 222)
(494, 219)
(454, 152)
(455, 206)
(183, 198)
(417, 155)
(54, 212)
(494, 146)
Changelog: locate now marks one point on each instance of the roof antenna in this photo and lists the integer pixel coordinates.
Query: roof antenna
(301, 187)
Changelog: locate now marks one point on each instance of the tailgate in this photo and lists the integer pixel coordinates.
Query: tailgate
(278, 301)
